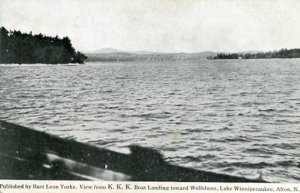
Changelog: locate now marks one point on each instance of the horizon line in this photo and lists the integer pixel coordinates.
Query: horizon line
(115, 50)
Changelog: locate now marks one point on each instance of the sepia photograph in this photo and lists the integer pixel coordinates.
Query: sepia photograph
(150, 91)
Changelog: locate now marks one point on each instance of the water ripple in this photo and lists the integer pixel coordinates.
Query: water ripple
(238, 117)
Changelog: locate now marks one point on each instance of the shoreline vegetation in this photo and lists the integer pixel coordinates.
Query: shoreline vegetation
(283, 53)
(25, 48)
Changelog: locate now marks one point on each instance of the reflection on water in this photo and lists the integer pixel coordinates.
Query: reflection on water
(239, 117)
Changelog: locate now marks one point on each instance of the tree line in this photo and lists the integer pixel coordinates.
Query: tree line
(18, 47)
(283, 53)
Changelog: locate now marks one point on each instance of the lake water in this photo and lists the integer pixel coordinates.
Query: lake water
(239, 117)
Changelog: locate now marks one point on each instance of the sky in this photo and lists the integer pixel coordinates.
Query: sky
(160, 25)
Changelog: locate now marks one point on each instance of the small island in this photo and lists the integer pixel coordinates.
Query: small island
(283, 53)
(26, 48)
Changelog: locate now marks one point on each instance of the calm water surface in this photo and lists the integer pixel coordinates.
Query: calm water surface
(239, 117)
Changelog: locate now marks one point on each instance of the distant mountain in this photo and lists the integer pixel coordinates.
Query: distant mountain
(105, 51)
(109, 54)
(203, 54)
(112, 50)
(145, 52)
